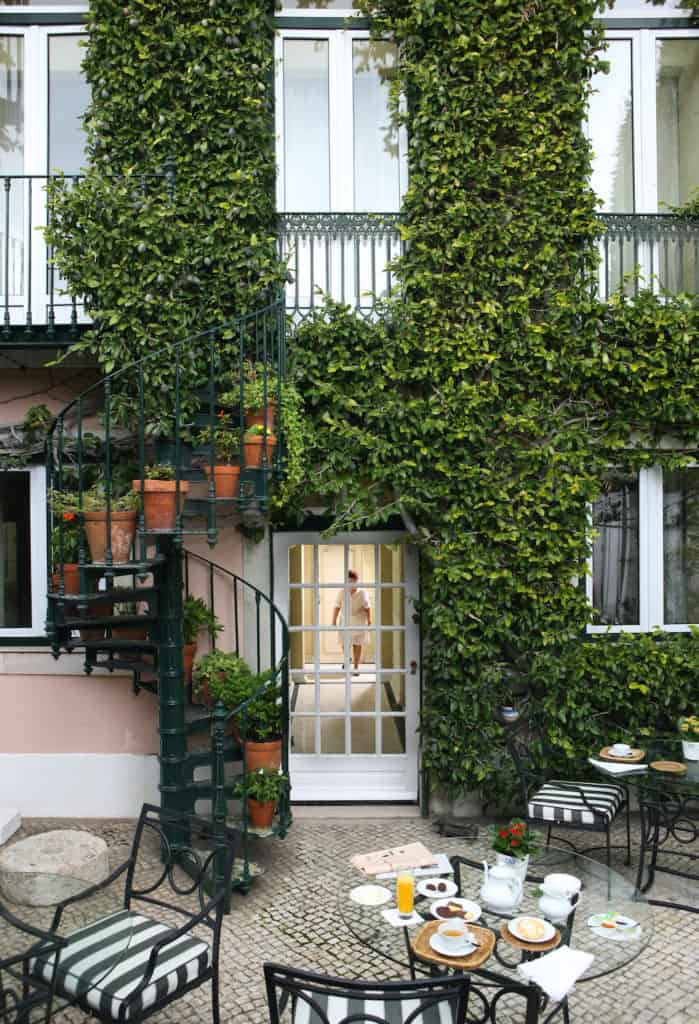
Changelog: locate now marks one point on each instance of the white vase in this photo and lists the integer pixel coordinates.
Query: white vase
(520, 865)
(690, 750)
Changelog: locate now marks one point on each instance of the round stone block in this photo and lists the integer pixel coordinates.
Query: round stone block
(46, 868)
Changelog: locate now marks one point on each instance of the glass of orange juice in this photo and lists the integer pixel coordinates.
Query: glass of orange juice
(405, 893)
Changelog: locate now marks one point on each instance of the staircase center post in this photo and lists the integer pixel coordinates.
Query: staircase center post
(173, 744)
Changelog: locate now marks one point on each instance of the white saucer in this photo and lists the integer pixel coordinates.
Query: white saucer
(370, 895)
(549, 930)
(450, 888)
(626, 930)
(438, 945)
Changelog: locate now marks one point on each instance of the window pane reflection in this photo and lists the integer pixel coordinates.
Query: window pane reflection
(69, 95)
(615, 554)
(303, 735)
(306, 125)
(332, 735)
(392, 735)
(363, 735)
(376, 164)
(610, 113)
(681, 545)
(677, 115)
(15, 565)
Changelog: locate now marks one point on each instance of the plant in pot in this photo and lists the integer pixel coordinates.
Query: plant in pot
(226, 445)
(689, 734)
(220, 675)
(196, 617)
(122, 522)
(513, 844)
(159, 490)
(65, 551)
(262, 788)
(260, 393)
(255, 441)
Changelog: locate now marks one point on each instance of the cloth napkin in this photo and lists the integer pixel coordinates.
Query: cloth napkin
(393, 917)
(618, 769)
(557, 972)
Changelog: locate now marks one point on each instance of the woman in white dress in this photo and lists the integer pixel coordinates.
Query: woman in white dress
(359, 615)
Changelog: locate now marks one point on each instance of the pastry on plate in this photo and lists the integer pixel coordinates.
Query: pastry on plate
(531, 929)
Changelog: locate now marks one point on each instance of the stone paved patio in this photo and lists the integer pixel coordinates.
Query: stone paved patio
(290, 916)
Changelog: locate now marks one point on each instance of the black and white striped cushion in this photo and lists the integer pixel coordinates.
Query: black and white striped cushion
(104, 962)
(555, 802)
(337, 1009)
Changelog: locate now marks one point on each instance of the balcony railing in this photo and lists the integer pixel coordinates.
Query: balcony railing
(347, 256)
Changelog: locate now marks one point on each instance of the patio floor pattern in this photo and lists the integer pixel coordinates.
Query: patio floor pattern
(290, 916)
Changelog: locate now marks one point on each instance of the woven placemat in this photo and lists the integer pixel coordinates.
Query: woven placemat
(530, 947)
(673, 767)
(634, 757)
(423, 950)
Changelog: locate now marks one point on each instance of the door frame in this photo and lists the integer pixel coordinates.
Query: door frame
(328, 778)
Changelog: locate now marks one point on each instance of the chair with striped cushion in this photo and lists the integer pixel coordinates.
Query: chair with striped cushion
(582, 805)
(128, 964)
(300, 997)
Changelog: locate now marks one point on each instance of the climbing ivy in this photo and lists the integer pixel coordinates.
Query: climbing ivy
(162, 254)
(490, 401)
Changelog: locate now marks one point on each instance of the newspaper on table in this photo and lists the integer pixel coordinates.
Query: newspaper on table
(397, 858)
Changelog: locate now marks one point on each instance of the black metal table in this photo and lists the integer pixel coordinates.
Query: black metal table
(669, 808)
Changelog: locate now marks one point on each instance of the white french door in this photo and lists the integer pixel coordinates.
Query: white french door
(353, 731)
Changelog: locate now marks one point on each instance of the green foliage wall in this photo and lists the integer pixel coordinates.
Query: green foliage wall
(190, 80)
(488, 405)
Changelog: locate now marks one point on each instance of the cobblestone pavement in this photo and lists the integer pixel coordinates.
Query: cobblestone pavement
(290, 916)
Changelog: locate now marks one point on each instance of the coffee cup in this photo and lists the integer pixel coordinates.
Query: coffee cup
(454, 933)
(620, 749)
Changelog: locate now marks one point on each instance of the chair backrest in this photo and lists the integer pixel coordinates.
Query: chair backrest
(179, 862)
(493, 1000)
(301, 997)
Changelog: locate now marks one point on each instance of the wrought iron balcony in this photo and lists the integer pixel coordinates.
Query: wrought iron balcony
(648, 250)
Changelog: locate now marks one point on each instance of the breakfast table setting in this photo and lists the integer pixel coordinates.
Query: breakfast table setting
(552, 917)
(662, 771)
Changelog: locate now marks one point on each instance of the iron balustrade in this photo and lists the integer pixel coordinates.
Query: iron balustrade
(648, 250)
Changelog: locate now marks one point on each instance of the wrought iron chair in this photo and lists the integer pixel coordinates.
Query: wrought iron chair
(301, 997)
(580, 805)
(23, 998)
(127, 965)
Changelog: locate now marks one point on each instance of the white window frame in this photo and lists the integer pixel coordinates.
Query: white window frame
(340, 112)
(651, 561)
(37, 556)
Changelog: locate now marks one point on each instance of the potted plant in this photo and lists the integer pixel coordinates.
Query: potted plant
(263, 789)
(65, 552)
(226, 441)
(93, 509)
(196, 617)
(260, 391)
(159, 489)
(254, 440)
(513, 844)
(220, 675)
(689, 734)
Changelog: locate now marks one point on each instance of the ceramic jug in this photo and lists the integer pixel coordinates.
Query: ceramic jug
(501, 889)
(559, 894)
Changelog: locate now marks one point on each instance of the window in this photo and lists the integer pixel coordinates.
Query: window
(338, 148)
(645, 557)
(22, 552)
(642, 120)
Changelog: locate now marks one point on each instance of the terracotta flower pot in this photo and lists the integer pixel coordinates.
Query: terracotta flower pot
(253, 450)
(96, 611)
(160, 502)
(71, 579)
(267, 754)
(188, 653)
(264, 416)
(260, 815)
(122, 530)
(226, 480)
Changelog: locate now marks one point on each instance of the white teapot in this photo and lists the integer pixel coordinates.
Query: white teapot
(501, 889)
(560, 894)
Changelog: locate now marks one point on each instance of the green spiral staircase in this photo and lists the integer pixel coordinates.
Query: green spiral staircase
(96, 447)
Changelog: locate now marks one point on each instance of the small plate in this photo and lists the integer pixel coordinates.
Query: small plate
(370, 895)
(438, 945)
(618, 927)
(429, 887)
(513, 926)
(673, 767)
(471, 910)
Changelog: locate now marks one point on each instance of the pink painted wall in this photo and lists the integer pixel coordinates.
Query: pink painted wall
(58, 714)
(21, 389)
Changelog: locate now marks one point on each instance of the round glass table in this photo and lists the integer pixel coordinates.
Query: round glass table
(668, 803)
(603, 892)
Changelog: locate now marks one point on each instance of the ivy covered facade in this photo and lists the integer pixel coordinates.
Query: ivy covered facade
(499, 427)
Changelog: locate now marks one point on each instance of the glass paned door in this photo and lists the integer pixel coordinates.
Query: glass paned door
(353, 666)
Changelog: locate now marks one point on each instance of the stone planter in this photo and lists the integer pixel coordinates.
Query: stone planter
(122, 530)
(160, 502)
(690, 750)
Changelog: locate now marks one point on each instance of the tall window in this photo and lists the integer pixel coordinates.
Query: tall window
(68, 98)
(22, 552)
(645, 558)
(611, 130)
